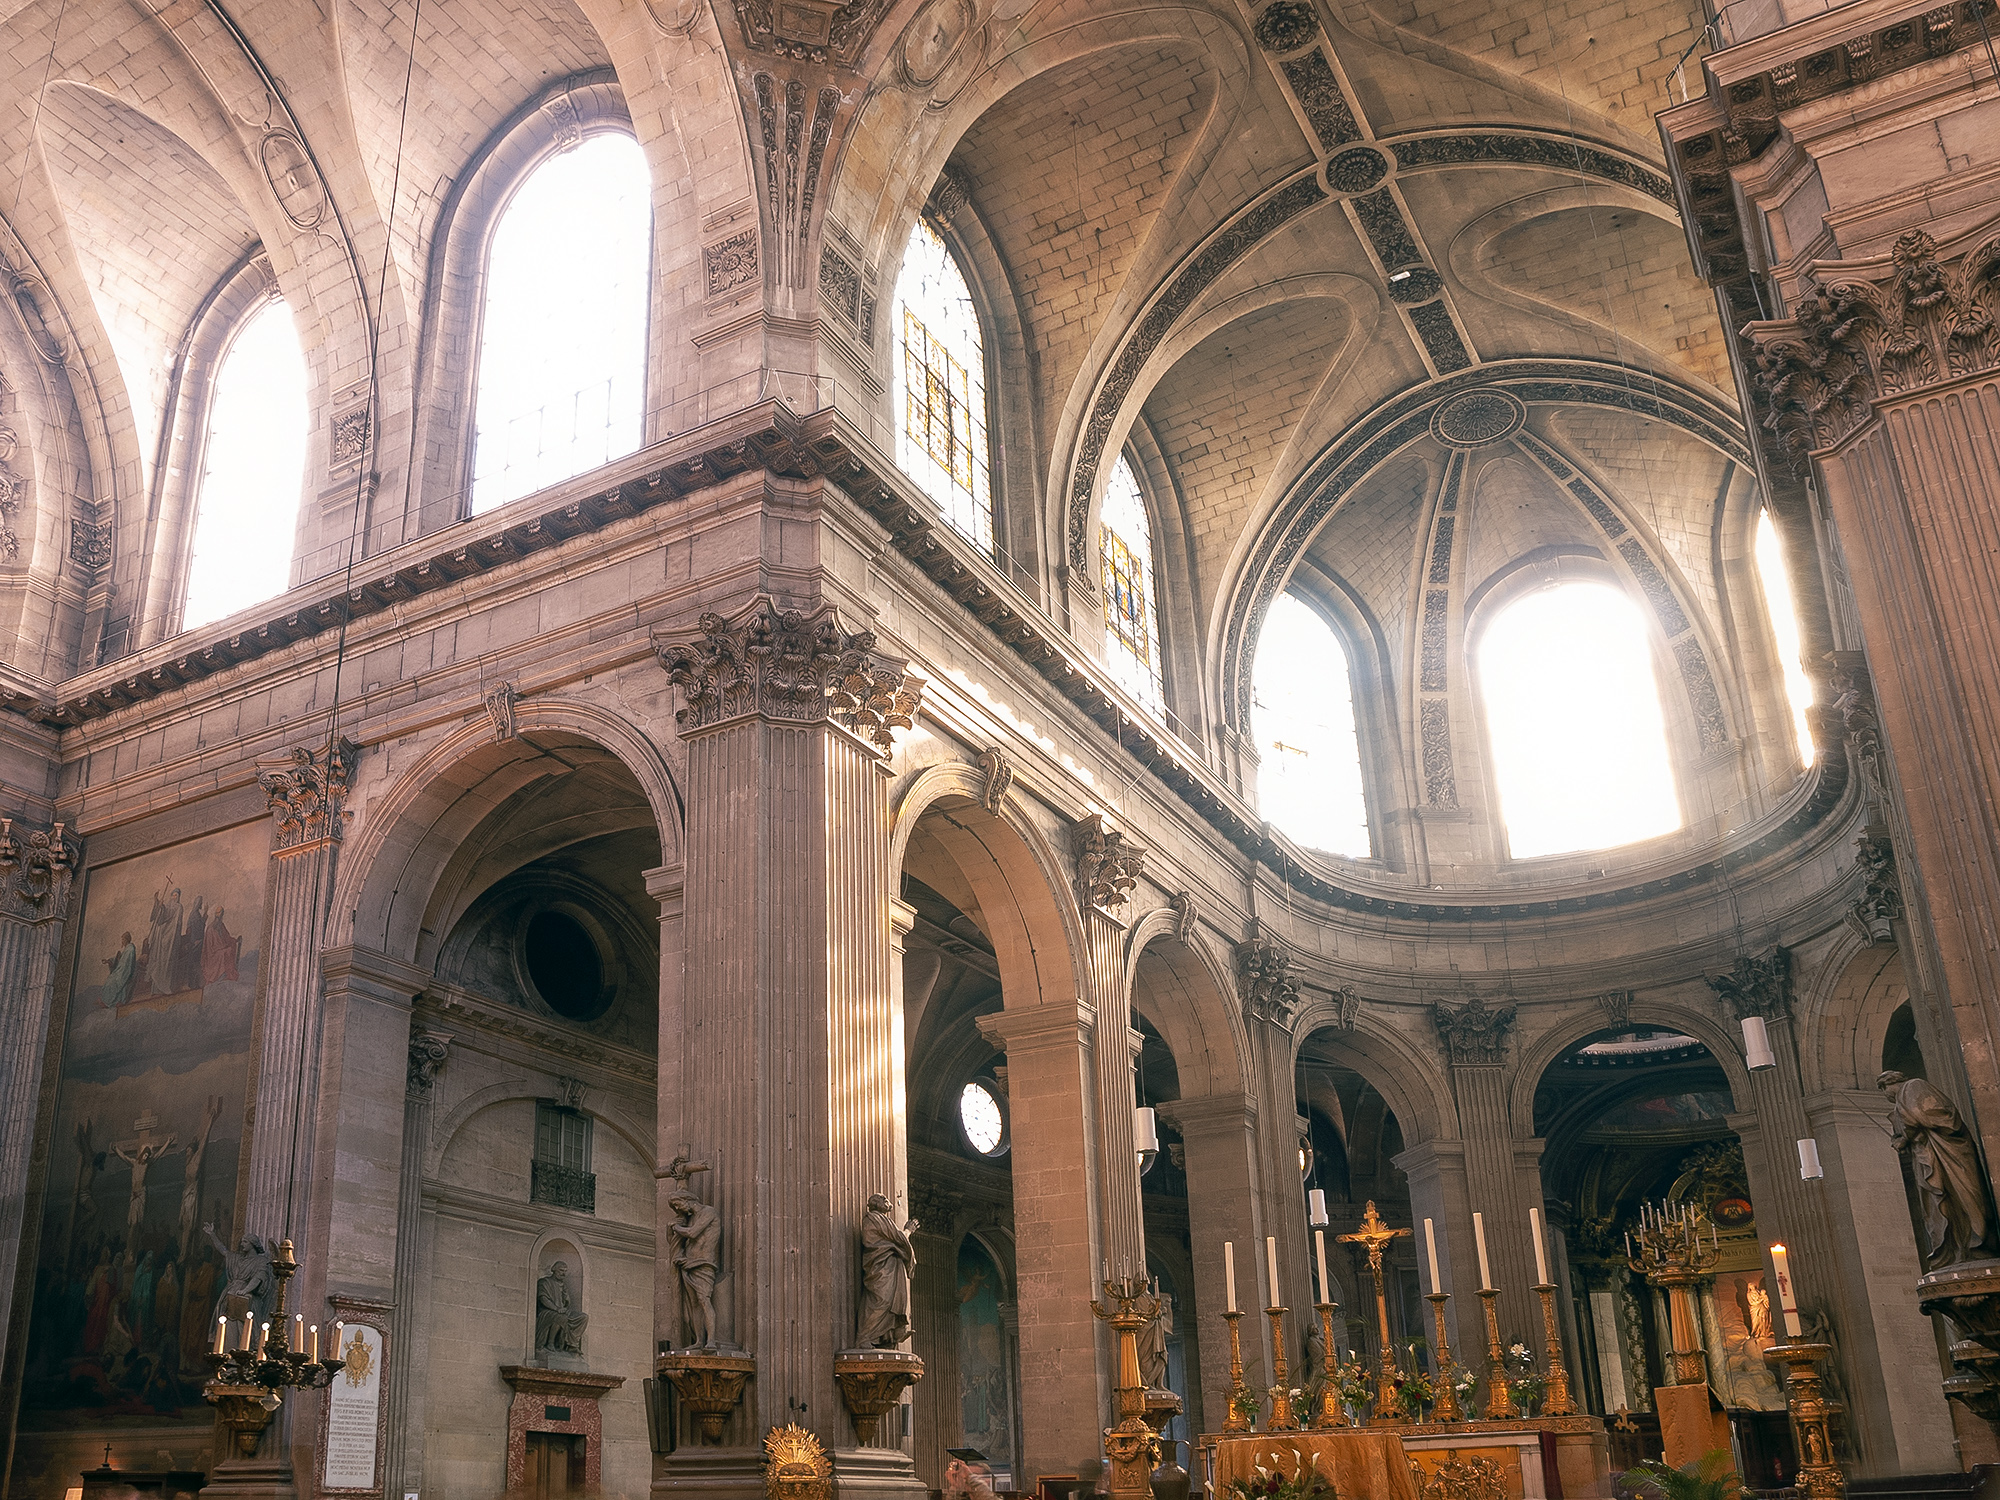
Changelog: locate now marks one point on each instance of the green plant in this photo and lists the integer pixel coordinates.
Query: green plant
(1244, 1403)
(1710, 1478)
(1352, 1382)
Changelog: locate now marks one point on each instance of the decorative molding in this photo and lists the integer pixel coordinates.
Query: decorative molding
(1108, 864)
(1885, 329)
(347, 438)
(1474, 1035)
(1185, 915)
(428, 1051)
(999, 774)
(1346, 1007)
(565, 129)
(1880, 903)
(1617, 1006)
(949, 194)
(1566, 154)
(36, 871)
(500, 709)
(1442, 341)
(571, 1091)
(1264, 978)
(1757, 985)
(789, 666)
(811, 31)
(1286, 26)
(90, 545)
(307, 789)
(730, 264)
(1317, 88)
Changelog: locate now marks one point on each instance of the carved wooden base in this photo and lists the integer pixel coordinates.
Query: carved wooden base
(871, 1382)
(240, 1415)
(709, 1385)
(1819, 1475)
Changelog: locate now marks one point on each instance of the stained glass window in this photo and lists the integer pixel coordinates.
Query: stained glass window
(1309, 777)
(1785, 628)
(1131, 607)
(941, 386)
(1579, 743)
(562, 348)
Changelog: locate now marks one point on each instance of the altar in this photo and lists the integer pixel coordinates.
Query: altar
(1361, 1463)
(1545, 1458)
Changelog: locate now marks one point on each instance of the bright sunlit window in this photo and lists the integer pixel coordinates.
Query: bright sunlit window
(253, 470)
(1579, 743)
(941, 386)
(1131, 608)
(1309, 782)
(562, 342)
(1785, 627)
(979, 1116)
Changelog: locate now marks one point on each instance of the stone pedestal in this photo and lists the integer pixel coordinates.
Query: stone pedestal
(562, 1401)
(872, 1382)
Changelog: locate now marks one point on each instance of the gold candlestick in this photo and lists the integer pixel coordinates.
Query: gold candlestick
(1500, 1405)
(1330, 1414)
(1819, 1475)
(1238, 1391)
(1445, 1408)
(1283, 1418)
(1556, 1400)
(1129, 1305)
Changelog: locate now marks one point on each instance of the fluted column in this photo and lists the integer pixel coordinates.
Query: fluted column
(307, 788)
(1270, 997)
(786, 1084)
(1502, 1187)
(404, 1469)
(1108, 864)
(36, 866)
(667, 885)
(1219, 1144)
(1440, 1192)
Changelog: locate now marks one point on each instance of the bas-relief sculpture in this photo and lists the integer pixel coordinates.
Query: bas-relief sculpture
(559, 1317)
(888, 1260)
(148, 1137)
(1926, 1128)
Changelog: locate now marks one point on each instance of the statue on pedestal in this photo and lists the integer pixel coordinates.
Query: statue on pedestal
(1153, 1345)
(699, 1255)
(887, 1261)
(559, 1322)
(1926, 1128)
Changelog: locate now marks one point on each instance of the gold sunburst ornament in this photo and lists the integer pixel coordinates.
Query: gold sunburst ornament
(795, 1465)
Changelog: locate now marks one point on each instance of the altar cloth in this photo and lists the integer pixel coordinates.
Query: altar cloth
(1360, 1464)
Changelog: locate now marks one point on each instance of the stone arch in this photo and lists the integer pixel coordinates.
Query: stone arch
(1843, 1016)
(1412, 1084)
(409, 832)
(638, 1137)
(1186, 994)
(1533, 1058)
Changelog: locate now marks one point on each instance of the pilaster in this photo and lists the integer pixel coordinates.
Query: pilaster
(429, 1051)
(1108, 865)
(1219, 1136)
(1474, 1036)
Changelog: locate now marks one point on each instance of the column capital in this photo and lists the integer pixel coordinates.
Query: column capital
(790, 666)
(1108, 864)
(1757, 984)
(307, 790)
(1264, 978)
(1215, 1112)
(36, 870)
(1036, 1026)
(1474, 1034)
(428, 1052)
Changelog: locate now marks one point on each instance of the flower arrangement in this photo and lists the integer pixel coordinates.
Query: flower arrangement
(1414, 1393)
(1352, 1383)
(1271, 1484)
(1462, 1381)
(1524, 1382)
(1244, 1403)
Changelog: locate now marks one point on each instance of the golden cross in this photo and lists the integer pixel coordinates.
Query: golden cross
(1373, 1235)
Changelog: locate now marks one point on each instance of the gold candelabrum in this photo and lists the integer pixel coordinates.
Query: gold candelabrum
(275, 1359)
(1374, 1236)
(1556, 1399)
(1329, 1414)
(1445, 1407)
(1239, 1393)
(1819, 1475)
(1500, 1405)
(1129, 1305)
(1283, 1418)
(1672, 1255)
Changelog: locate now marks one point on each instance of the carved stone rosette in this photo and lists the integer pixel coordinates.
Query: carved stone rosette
(710, 1385)
(307, 788)
(1108, 864)
(1878, 329)
(1475, 1032)
(36, 870)
(793, 667)
(1264, 977)
(871, 1382)
(1758, 985)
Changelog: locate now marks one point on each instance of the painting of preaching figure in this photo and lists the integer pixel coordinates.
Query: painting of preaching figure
(148, 1137)
(985, 1397)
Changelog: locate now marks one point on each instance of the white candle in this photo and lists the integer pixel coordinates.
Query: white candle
(1786, 1300)
(312, 1344)
(1479, 1239)
(298, 1333)
(1319, 1244)
(1431, 1244)
(1229, 1272)
(1541, 1255)
(249, 1333)
(1271, 1260)
(221, 1333)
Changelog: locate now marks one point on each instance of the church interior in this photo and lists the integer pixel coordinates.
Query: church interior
(999, 748)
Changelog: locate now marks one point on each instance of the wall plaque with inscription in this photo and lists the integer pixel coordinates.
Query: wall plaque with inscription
(354, 1412)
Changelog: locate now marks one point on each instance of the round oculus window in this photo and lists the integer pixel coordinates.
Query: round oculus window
(980, 1118)
(563, 961)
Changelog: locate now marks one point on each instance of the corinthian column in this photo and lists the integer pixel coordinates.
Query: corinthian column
(786, 1047)
(35, 870)
(307, 788)
(1108, 865)
(1504, 1178)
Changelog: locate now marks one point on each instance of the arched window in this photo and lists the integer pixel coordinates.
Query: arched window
(253, 467)
(941, 386)
(562, 339)
(1785, 628)
(1131, 607)
(1573, 713)
(1309, 782)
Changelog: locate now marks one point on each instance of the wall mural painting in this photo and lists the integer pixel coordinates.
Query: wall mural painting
(985, 1395)
(1643, 1116)
(148, 1135)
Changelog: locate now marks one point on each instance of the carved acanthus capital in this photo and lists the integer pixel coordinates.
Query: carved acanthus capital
(950, 193)
(1108, 864)
(428, 1051)
(1880, 903)
(1475, 1033)
(1264, 978)
(36, 868)
(1873, 330)
(999, 774)
(785, 664)
(307, 788)
(1757, 985)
